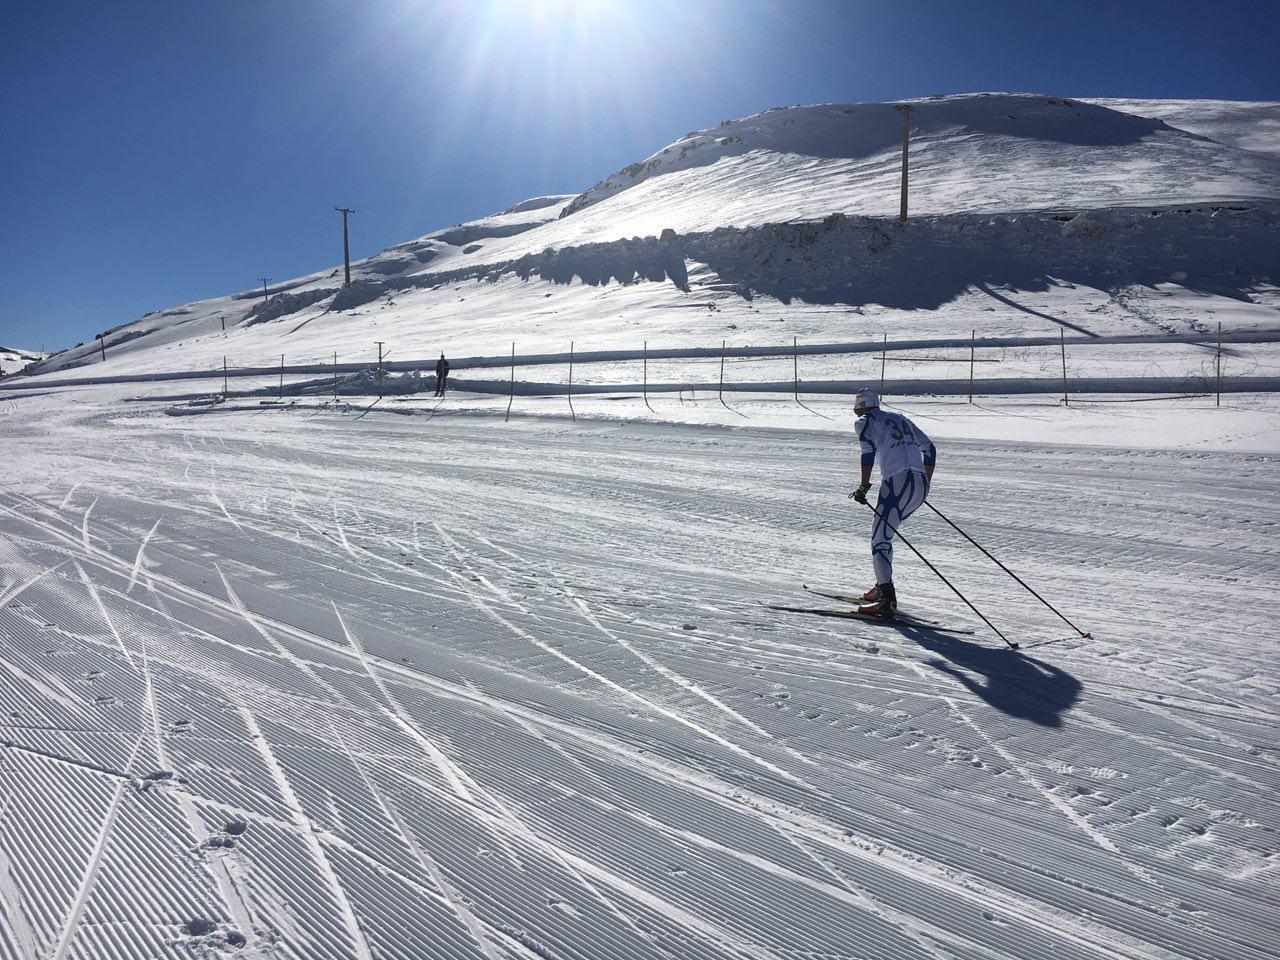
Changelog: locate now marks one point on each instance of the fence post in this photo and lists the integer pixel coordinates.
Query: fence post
(1218, 401)
(103, 345)
(1062, 336)
(795, 369)
(511, 397)
(223, 318)
(224, 376)
(884, 353)
(645, 382)
(380, 369)
(973, 341)
(720, 392)
(281, 391)
(572, 414)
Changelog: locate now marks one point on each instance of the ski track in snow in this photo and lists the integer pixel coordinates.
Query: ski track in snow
(137, 563)
(526, 703)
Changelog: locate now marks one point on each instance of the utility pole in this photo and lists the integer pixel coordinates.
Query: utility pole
(905, 110)
(103, 344)
(346, 246)
(264, 281)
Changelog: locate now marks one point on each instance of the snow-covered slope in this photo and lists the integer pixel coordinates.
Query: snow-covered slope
(789, 217)
(13, 360)
(977, 153)
(1245, 125)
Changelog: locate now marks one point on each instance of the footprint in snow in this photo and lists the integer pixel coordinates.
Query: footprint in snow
(201, 930)
(143, 784)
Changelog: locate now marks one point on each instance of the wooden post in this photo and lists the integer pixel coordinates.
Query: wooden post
(573, 415)
(1218, 401)
(512, 395)
(335, 376)
(795, 369)
(973, 343)
(884, 355)
(224, 376)
(380, 342)
(282, 376)
(103, 344)
(223, 318)
(1062, 336)
(645, 382)
(721, 389)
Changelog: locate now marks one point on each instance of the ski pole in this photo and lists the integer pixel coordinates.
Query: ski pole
(1082, 633)
(1012, 645)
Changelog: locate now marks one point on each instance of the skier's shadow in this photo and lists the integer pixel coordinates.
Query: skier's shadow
(1007, 679)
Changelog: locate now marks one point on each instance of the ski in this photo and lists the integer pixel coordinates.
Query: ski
(844, 598)
(859, 602)
(899, 619)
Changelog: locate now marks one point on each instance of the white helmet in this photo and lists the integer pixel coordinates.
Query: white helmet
(866, 399)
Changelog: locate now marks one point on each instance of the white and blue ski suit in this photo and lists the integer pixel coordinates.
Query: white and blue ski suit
(904, 451)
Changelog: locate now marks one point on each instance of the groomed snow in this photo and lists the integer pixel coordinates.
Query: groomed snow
(294, 683)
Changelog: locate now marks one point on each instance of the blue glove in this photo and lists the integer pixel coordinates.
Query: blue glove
(861, 493)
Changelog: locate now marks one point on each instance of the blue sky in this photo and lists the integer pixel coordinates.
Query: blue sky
(154, 153)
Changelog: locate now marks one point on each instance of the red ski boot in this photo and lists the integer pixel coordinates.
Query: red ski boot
(885, 605)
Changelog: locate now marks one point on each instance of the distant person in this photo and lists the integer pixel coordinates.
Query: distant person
(907, 458)
(442, 375)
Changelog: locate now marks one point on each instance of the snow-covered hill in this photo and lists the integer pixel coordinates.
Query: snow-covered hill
(1245, 125)
(1027, 212)
(13, 360)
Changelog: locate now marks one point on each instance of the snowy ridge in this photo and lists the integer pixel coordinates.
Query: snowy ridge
(1133, 206)
(1245, 125)
(978, 152)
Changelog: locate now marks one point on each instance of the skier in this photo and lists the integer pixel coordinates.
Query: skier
(907, 458)
(442, 375)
